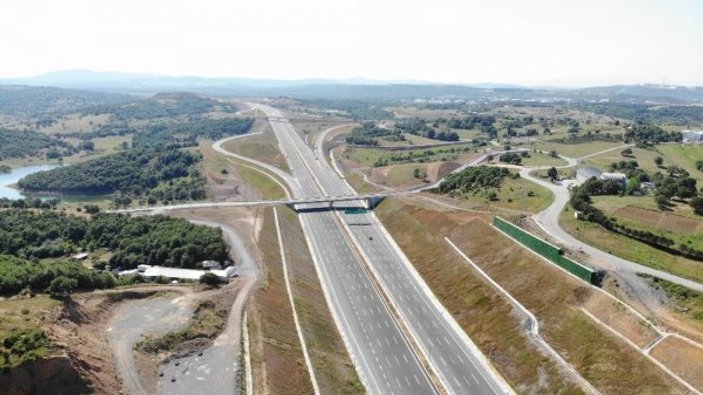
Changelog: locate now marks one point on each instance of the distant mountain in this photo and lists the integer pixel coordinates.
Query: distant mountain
(354, 88)
(646, 92)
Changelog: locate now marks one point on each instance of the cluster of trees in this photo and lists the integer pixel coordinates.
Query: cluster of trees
(4, 169)
(699, 165)
(154, 240)
(356, 109)
(27, 143)
(513, 158)
(29, 203)
(485, 123)
(581, 201)
(419, 127)
(162, 105)
(368, 134)
(474, 178)
(675, 187)
(644, 134)
(186, 134)
(57, 278)
(131, 172)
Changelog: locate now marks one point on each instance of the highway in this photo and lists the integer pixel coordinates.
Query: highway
(386, 362)
(384, 359)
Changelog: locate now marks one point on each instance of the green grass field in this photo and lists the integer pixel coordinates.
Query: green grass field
(514, 194)
(684, 156)
(576, 150)
(262, 147)
(538, 159)
(680, 225)
(645, 159)
(629, 249)
(369, 156)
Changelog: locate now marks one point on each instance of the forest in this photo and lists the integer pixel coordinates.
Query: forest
(162, 105)
(27, 143)
(133, 172)
(155, 240)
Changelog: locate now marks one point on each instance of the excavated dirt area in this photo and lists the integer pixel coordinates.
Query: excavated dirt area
(81, 327)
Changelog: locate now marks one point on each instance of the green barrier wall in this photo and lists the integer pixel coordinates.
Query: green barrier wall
(547, 250)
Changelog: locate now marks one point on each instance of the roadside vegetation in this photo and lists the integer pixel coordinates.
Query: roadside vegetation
(686, 301)
(333, 366)
(275, 348)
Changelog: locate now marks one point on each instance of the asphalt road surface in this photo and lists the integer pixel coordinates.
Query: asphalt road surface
(548, 219)
(387, 363)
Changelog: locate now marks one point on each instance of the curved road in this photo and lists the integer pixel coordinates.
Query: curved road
(214, 371)
(548, 220)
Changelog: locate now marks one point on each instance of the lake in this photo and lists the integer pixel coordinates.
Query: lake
(15, 175)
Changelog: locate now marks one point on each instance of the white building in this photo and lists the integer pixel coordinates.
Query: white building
(180, 274)
(619, 177)
(692, 136)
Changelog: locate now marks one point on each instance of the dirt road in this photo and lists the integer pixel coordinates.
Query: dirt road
(157, 315)
(214, 371)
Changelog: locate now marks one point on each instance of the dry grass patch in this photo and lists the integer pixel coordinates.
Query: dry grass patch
(554, 297)
(488, 319)
(684, 359)
(333, 366)
(281, 362)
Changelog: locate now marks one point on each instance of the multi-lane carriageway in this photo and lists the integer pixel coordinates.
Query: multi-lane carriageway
(354, 255)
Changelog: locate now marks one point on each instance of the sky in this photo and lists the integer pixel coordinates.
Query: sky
(534, 43)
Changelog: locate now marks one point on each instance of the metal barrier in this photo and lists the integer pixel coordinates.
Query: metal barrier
(548, 251)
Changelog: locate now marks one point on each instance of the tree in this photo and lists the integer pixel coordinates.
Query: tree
(91, 208)
(552, 173)
(659, 161)
(61, 287)
(662, 201)
(627, 152)
(697, 205)
(210, 279)
(87, 145)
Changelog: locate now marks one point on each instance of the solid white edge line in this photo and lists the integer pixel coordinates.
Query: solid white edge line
(298, 329)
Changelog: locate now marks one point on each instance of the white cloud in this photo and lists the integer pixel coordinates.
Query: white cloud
(515, 41)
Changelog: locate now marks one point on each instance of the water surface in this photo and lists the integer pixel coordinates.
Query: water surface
(15, 175)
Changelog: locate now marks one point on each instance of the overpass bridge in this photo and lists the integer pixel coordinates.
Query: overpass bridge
(367, 201)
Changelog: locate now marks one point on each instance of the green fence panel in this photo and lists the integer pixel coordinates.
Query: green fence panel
(545, 249)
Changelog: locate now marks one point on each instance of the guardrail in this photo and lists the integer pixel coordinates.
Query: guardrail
(549, 251)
